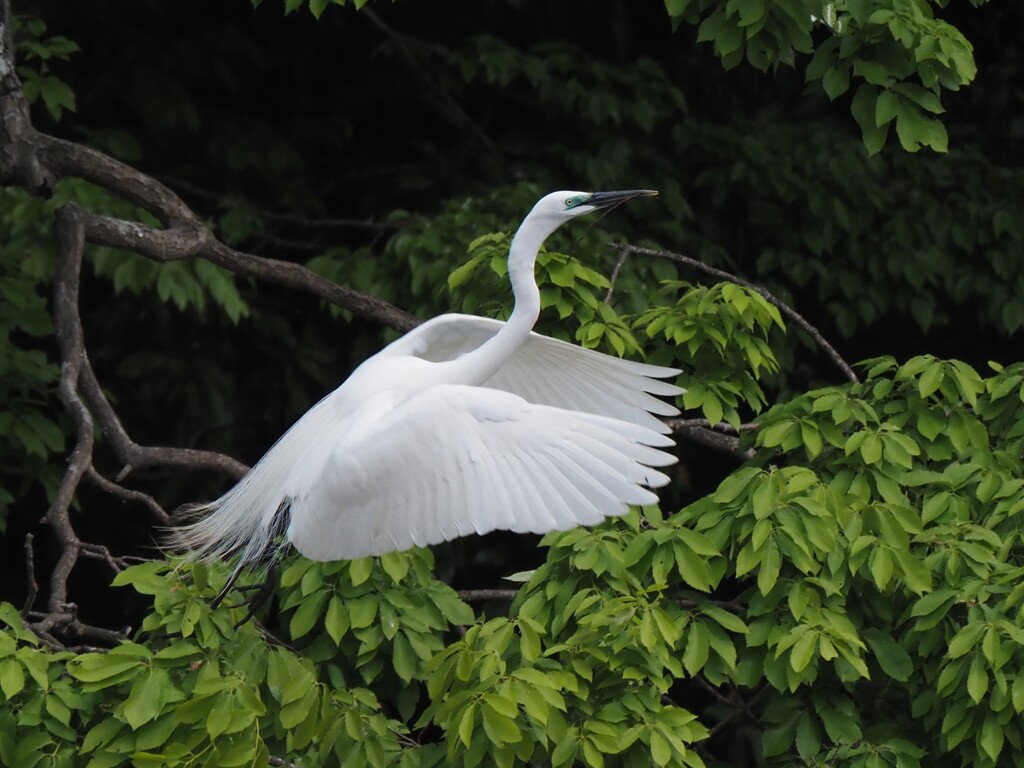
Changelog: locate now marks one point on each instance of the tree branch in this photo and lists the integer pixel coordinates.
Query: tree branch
(623, 256)
(481, 595)
(137, 456)
(32, 589)
(128, 495)
(784, 308)
(704, 434)
(67, 271)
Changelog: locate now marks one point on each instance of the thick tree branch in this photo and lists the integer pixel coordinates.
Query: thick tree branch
(67, 271)
(19, 162)
(719, 436)
(190, 239)
(784, 308)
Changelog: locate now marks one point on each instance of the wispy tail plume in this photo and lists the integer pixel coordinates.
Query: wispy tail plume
(249, 519)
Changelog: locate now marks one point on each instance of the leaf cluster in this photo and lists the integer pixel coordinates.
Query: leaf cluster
(902, 55)
(38, 53)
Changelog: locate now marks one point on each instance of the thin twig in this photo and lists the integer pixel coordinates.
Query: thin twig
(709, 688)
(480, 595)
(99, 552)
(791, 313)
(128, 495)
(623, 256)
(729, 605)
(739, 711)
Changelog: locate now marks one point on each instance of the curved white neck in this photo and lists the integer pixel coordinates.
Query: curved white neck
(479, 365)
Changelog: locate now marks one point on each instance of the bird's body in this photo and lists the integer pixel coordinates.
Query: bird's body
(464, 425)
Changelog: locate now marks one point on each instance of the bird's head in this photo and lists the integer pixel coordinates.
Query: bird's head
(560, 206)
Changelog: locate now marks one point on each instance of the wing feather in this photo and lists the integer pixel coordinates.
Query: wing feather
(456, 460)
(547, 371)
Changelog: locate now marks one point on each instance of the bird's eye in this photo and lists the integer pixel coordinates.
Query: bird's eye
(569, 203)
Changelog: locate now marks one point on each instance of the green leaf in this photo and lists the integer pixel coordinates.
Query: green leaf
(57, 96)
(808, 736)
(97, 667)
(886, 108)
(148, 696)
(336, 620)
(871, 449)
(936, 602)
(1018, 693)
(803, 651)
(396, 565)
(404, 659)
(695, 655)
(218, 719)
(836, 81)
(891, 656)
(863, 109)
(307, 615)
(12, 677)
(771, 563)
(465, 730)
(965, 640)
(873, 72)
(661, 751)
(676, 7)
(362, 612)
(360, 570)
(977, 679)
(500, 729)
(991, 736)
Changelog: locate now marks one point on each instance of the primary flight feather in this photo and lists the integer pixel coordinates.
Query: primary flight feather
(464, 425)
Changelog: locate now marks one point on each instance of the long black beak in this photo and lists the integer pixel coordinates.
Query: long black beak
(607, 199)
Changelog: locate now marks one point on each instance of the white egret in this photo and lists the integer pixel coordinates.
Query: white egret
(464, 425)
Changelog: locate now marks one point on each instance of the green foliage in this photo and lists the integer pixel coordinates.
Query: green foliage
(720, 334)
(606, 95)
(316, 7)
(859, 240)
(375, 620)
(900, 53)
(201, 691)
(28, 375)
(888, 547)
(858, 582)
(37, 53)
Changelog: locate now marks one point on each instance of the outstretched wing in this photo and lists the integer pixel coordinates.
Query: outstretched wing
(547, 371)
(458, 460)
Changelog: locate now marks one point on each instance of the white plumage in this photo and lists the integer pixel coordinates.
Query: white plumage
(464, 425)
